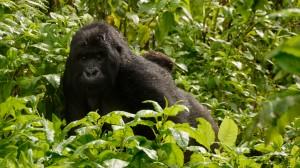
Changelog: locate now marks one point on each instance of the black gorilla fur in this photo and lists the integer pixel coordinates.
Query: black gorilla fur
(101, 73)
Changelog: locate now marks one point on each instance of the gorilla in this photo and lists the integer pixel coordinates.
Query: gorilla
(101, 73)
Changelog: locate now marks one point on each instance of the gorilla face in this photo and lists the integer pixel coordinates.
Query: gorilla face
(92, 65)
(94, 60)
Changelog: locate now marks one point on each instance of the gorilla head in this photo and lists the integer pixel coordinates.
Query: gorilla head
(95, 57)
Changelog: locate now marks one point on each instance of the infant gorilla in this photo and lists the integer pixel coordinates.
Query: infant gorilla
(102, 74)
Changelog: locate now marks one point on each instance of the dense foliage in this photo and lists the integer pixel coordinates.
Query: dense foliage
(241, 58)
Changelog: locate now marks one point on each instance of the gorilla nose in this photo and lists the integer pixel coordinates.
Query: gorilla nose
(91, 72)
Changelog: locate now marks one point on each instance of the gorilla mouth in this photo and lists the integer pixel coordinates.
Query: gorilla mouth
(91, 82)
(93, 87)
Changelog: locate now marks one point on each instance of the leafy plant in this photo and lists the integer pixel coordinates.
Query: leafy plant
(239, 57)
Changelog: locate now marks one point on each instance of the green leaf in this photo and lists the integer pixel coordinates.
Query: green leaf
(72, 125)
(197, 149)
(238, 64)
(228, 132)
(112, 118)
(48, 130)
(140, 159)
(133, 17)
(12, 53)
(165, 25)
(156, 106)
(124, 113)
(204, 134)
(88, 130)
(11, 106)
(149, 152)
(288, 55)
(277, 139)
(106, 155)
(199, 158)
(277, 114)
(93, 116)
(115, 163)
(139, 121)
(56, 16)
(175, 109)
(247, 162)
(144, 35)
(53, 79)
(259, 4)
(147, 114)
(291, 12)
(181, 137)
(262, 147)
(58, 148)
(288, 62)
(93, 144)
(42, 46)
(36, 4)
(121, 132)
(8, 3)
(199, 136)
(204, 127)
(171, 154)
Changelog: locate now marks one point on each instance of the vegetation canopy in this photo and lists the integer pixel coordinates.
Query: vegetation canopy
(240, 58)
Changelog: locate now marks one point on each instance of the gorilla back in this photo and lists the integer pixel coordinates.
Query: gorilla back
(102, 74)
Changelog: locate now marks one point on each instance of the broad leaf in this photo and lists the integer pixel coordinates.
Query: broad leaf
(171, 155)
(228, 132)
(288, 55)
(115, 163)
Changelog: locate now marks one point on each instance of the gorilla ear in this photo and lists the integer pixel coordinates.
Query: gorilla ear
(119, 48)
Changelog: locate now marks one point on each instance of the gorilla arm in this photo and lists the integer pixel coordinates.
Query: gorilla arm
(74, 104)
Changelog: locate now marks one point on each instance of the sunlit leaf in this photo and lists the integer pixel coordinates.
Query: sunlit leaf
(150, 152)
(156, 106)
(198, 135)
(228, 132)
(147, 113)
(53, 79)
(175, 109)
(181, 137)
(171, 154)
(115, 163)
(287, 13)
(133, 17)
(205, 128)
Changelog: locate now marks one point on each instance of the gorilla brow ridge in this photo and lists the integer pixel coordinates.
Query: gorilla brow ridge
(112, 36)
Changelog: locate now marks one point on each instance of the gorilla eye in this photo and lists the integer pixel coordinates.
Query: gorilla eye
(100, 56)
(101, 37)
